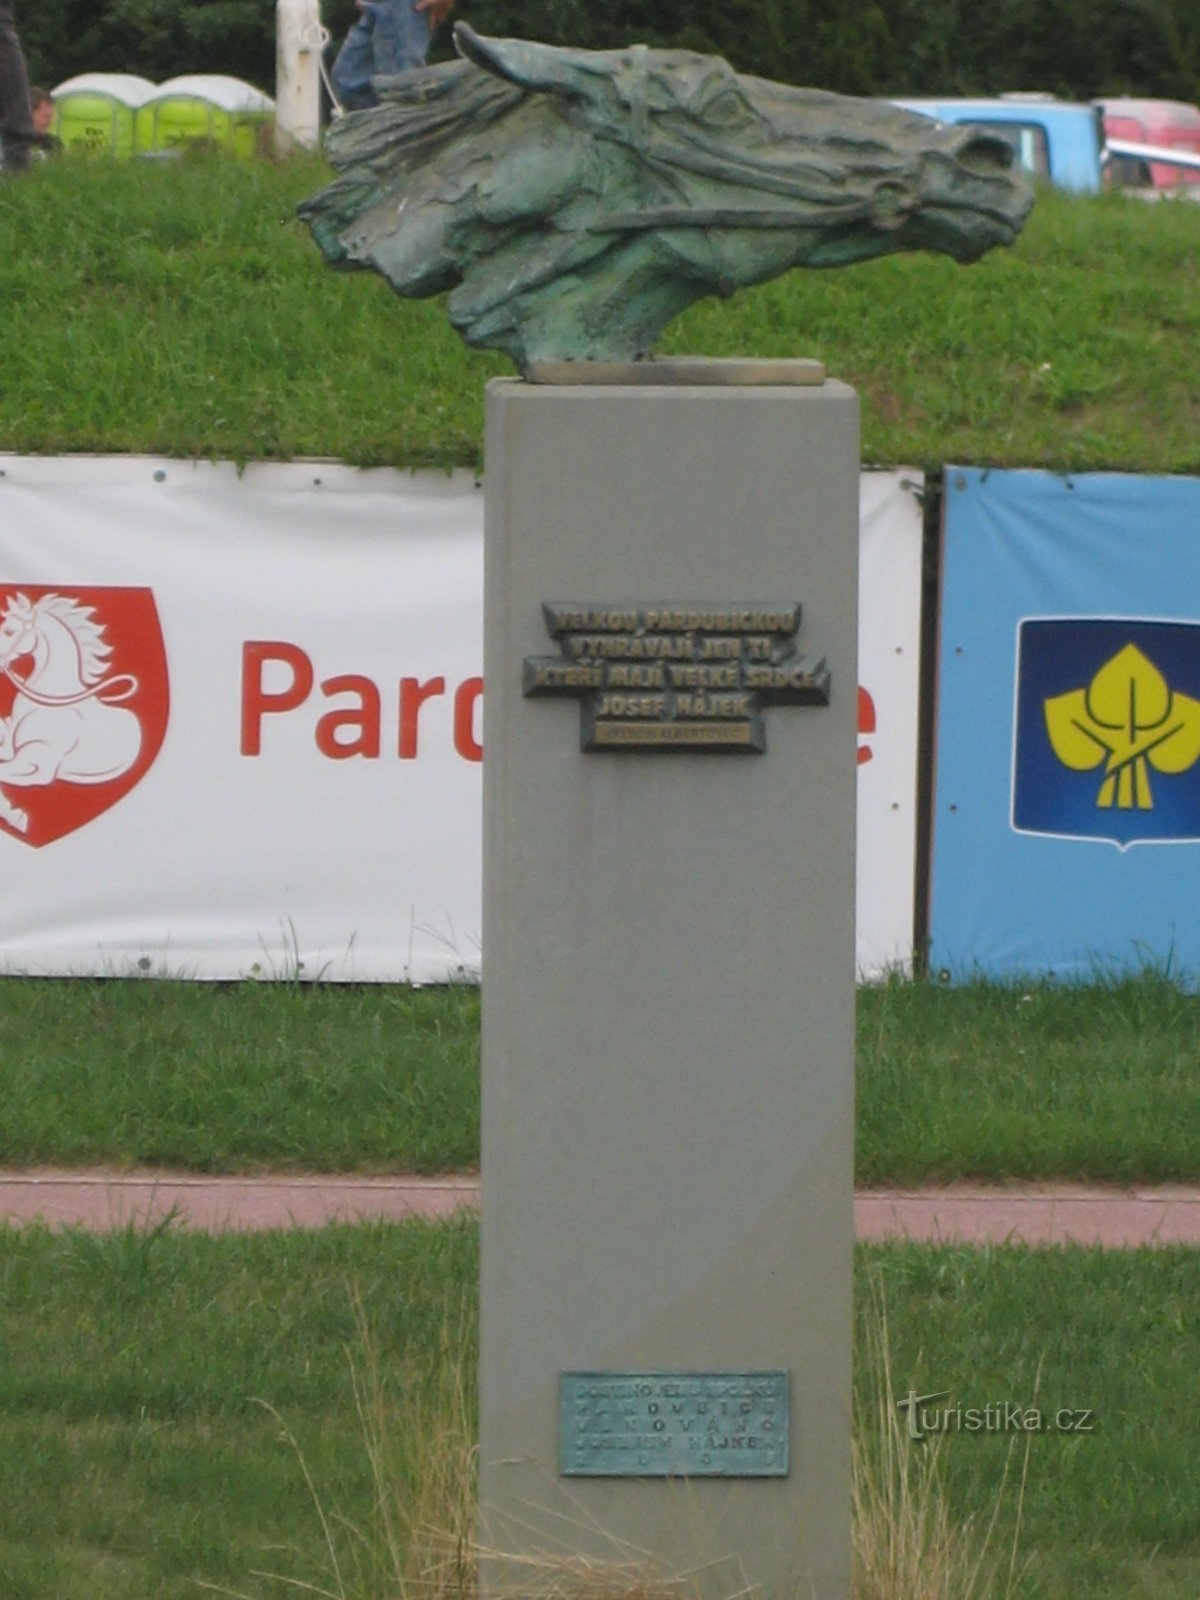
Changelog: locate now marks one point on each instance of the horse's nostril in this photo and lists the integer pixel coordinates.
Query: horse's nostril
(986, 154)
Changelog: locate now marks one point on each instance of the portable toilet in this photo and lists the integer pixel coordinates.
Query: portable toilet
(204, 105)
(96, 112)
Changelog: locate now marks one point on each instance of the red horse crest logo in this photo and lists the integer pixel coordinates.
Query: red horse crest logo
(83, 704)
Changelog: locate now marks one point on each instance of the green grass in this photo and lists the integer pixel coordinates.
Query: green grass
(988, 1081)
(1029, 1080)
(1109, 1514)
(181, 308)
(137, 1457)
(239, 1076)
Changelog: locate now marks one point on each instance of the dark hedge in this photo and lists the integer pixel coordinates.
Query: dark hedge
(1075, 48)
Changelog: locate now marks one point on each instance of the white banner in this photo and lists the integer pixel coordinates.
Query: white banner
(241, 719)
(889, 669)
(314, 806)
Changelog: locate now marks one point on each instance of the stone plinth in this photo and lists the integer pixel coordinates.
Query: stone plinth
(668, 1037)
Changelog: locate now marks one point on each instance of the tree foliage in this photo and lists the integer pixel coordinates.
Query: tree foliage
(1075, 48)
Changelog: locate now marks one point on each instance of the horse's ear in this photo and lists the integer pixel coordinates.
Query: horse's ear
(529, 66)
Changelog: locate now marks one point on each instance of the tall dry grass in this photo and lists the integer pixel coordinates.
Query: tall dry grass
(908, 1544)
(419, 1542)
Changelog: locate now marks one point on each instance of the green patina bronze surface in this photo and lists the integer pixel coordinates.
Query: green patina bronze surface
(674, 1424)
(573, 202)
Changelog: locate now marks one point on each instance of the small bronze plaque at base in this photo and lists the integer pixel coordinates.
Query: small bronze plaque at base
(673, 1424)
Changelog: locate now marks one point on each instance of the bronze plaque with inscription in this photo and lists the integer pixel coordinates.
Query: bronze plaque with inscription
(676, 677)
(674, 1424)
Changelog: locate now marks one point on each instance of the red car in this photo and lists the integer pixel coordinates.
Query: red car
(1165, 125)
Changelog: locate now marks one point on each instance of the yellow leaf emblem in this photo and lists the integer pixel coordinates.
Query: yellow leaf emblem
(1129, 718)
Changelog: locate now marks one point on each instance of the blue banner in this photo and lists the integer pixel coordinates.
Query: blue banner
(1066, 833)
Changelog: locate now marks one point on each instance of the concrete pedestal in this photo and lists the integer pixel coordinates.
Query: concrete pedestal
(668, 1035)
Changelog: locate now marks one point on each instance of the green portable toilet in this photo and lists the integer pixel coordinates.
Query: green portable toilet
(204, 105)
(95, 113)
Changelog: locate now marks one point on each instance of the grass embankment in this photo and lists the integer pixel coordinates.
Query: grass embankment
(180, 308)
(139, 1458)
(986, 1081)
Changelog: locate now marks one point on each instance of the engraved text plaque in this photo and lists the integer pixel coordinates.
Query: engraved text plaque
(676, 677)
(673, 1424)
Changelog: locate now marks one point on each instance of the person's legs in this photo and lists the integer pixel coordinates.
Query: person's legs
(16, 126)
(391, 36)
(353, 68)
(401, 37)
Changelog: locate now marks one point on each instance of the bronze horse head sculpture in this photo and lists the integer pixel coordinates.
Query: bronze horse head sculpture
(573, 202)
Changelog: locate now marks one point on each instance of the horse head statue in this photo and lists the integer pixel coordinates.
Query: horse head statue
(573, 202)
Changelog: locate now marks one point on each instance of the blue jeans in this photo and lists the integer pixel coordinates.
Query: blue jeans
(390, 36)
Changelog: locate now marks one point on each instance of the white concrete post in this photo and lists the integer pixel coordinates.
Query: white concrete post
(298, 42)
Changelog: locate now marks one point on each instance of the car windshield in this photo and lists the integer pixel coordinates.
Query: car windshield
(1028, 141)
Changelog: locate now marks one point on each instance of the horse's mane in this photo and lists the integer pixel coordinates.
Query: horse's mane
(88, 634)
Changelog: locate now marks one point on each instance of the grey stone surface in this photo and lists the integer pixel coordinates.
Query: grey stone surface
(734, 371)
(668, 996)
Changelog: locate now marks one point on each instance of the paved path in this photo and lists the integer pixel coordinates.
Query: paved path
(1050, 1214)
(102, 1199)
(1054, 1214)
